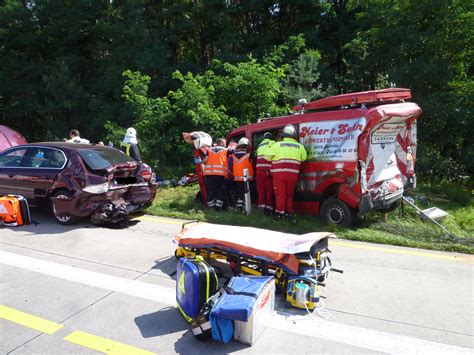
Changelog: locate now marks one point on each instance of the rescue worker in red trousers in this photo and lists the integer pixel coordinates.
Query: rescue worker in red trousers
(264, 179)
(238, 162)
(214, 173)
(287, 156)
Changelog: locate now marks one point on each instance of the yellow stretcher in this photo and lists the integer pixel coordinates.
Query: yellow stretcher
(299, 263)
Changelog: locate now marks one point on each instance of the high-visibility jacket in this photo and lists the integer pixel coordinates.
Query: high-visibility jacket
(131, 149)
(287, 156)
(264, 157)
(239, 164)
(216, 161)
(125, 147)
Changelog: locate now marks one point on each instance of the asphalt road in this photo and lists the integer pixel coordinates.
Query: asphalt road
(80, 288)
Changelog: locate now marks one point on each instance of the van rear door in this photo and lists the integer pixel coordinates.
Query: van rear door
(388, 136)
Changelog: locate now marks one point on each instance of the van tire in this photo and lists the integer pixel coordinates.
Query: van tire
(336, 212)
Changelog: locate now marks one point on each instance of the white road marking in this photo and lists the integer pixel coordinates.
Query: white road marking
(91, 278)
(319, 328)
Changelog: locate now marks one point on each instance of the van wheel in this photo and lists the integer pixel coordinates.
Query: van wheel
(64, 219)
(334, 211)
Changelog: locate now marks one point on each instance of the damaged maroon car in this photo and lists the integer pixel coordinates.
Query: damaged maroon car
(78, 180)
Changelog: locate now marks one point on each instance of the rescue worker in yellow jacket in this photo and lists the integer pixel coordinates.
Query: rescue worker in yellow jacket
(129, 145)
(264, 179)
(214, 172)
(287, 156)
(238, 162)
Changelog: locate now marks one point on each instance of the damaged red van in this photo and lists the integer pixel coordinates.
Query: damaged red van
(361, 152)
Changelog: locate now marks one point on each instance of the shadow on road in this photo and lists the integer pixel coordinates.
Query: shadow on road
(188, 344)
(168, 320)
(165, 321)
(43, 223)
(166, 265)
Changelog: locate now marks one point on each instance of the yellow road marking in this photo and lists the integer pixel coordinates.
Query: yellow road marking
(159, 220)
(28, 320)
(104, 345)
(396, 251)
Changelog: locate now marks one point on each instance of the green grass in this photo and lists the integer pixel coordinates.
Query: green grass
(407, 230)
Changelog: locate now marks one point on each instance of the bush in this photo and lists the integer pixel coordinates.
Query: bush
(433, 166)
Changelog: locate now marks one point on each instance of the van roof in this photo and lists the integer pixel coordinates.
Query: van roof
(338, 107)
(357, 98)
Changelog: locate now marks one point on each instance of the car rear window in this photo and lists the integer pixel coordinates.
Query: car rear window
(98, 159)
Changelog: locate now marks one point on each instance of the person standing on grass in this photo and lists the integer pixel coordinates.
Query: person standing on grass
(287, 156)
(129, 145)
(215, 170)
(264, 179)
(238, 162)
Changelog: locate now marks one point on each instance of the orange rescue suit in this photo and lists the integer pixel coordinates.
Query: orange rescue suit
(238, 166)
(216, 162)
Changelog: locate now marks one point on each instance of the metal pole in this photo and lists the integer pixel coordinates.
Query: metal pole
(248, 202)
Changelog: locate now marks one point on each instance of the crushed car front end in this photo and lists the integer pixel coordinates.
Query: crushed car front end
(105, 184)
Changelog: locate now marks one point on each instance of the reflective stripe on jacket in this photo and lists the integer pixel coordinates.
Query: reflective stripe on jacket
(125, 147)
(287, 156)
(264, 158)
(238, 166)
(216, 161)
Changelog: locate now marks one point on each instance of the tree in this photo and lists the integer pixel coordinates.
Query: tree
(427, 47)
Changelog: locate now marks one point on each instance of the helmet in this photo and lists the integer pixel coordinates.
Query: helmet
(268, 135)
(243, 141)
(130, 136)
(289, 131)
(131, 132)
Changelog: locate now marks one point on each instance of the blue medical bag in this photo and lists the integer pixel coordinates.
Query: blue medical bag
(196, 281)
(236, 304)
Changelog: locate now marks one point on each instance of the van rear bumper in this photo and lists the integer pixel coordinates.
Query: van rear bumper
(387, 200)
(367, 204)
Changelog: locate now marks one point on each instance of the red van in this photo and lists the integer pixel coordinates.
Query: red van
(361, 152)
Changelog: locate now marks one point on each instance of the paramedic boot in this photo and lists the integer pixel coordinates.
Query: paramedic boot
(291, 218)
(211, 204)
(279, 215)
(219, 205)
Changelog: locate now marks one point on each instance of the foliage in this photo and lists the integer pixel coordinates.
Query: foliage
(61, 66)
(433, 163)
(248, 90)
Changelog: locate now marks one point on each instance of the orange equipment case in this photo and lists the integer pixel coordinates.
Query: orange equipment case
(14, 211)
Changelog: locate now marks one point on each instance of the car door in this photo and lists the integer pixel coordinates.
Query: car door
(10, 165)
(39, 168)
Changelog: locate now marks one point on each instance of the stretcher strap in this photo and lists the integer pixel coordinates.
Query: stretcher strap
(231, 291)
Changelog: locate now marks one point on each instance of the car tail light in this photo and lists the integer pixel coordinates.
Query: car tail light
(146, 175)
(97, 189)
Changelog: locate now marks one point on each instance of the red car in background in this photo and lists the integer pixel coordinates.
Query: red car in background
(10, 138)
(77, 180)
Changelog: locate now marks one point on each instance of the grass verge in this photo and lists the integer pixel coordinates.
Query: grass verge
(407, 230)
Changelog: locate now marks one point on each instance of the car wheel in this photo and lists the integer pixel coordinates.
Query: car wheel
(64, 219)
(334, 211)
